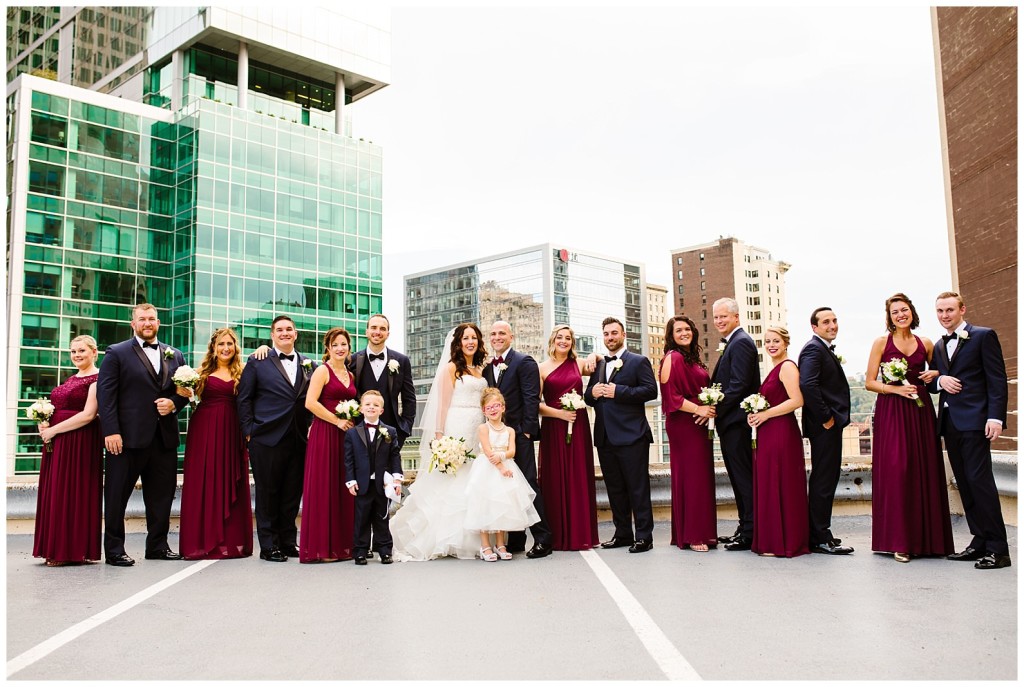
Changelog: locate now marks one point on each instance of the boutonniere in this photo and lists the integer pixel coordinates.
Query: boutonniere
(963, 335)
(841, 358)
(385, 433)
(501, 368)
(169, 353)
(307, 364)
(393, 367)
(613, 367)
(721, 347)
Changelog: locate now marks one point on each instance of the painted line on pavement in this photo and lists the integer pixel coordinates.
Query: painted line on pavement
(663, 651)
(55, 642)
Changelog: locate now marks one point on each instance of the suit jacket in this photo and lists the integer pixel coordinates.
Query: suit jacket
(520, 385)
(127, 390)
(400, 399)
(978, 363)
(738, 373)
(622, 420)
(824, 387)
(364, 457)
(268, 403)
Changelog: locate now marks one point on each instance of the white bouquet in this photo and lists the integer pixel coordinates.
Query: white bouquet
(711, 396)
(571, 401)
(185, 377)
(447, 454)
(347, 410)
(39, 412)
(896, 371)
(754, 403)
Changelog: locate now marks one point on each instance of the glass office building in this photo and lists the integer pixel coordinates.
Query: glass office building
(221, 205)
(533, 289)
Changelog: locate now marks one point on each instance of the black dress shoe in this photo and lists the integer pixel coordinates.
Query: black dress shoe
(538, 551)
(273, 555)
(359, 560)
(835, 541)
(617, 542)
(740, 543)
(290, 551)
(122, 561)
(834, 549)
(167, 555)
(968, 554)
(641, 545)
(993, 561)
(385, 559)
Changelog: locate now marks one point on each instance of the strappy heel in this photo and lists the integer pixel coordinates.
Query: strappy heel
(489, 557)
(503, 554)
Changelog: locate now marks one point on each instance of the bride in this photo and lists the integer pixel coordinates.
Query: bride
(430, 524)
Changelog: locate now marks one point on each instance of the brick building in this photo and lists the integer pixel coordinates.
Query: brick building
(976, 66)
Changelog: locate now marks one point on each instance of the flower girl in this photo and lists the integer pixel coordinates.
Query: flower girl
(498, 496)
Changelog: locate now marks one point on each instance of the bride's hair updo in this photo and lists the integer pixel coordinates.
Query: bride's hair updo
(456, 355)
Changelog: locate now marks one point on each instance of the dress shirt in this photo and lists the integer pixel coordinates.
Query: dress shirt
(290, 366)
(152, 353)
(618, 356)
(377, 365)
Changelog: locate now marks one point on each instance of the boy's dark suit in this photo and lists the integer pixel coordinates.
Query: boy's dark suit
(364, 458)
(272, 412)
(126, 391)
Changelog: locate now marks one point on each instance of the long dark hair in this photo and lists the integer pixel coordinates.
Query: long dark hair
(691, 353)
(329, 338)
(915, 320)
(455, 354)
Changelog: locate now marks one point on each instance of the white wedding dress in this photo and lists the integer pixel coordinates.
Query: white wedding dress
(430, 524)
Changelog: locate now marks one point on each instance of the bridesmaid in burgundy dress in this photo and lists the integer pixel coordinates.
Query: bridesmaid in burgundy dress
(328, 510)
(780, 475)
(909, 505)
(566, 471)
(216, 508)
(69, 506)
(682, 374)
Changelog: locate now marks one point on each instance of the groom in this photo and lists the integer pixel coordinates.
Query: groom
(517, 377)
(972, 392)
(620, 387)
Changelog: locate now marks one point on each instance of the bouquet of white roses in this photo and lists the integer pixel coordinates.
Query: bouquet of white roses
(39, 412)
(896, 371)
(347, 410)
(447, 454)
(754, 403)
(711, 396)
(571, 401)
(185, 377)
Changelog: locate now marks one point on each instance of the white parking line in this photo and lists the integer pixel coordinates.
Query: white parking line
(663, 651)
(55, 642)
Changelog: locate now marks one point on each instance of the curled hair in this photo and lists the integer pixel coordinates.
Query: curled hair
(491, 393)
(87, 340)
(455, 354)
(780, 330)
(332, 334)
(551, 341)
(209, 364)
(900, 298)
(691, 353)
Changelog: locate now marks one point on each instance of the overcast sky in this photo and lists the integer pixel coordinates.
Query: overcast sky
(812, 132)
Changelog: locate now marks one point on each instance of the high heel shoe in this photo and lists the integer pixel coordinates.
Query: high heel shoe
(489, 557)
(503, 554)
(901, 557)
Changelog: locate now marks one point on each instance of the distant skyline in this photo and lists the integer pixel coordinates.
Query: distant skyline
(811, 132)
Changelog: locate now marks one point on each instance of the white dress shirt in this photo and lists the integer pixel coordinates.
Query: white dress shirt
(377, 365)
(152, 353)
(291, 367)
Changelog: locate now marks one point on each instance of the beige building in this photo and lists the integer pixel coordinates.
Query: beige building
(657, 314)
(724, 268)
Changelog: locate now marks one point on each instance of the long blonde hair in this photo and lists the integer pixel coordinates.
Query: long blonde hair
(209, 364)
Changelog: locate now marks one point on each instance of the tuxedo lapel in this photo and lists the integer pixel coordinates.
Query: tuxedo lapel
(960, 343)
(489, 375)
(386, 371)
(164, 367)
(145, 361)
(300, 374)
(599, 369)
(280, 368)
(363, 435)
(360, 361)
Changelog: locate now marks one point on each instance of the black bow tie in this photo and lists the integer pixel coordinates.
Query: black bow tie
(609, 358)
(832, 347)
(286, 356)
(154, 346)
(725, 340)
(946, 338)
(376, 356)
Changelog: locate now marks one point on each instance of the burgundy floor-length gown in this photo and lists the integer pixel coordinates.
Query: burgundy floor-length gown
(328, 510)
(566, 474)
(780, 478)
(216, 507)
(69, 507)
(909, 505)
(694, 516)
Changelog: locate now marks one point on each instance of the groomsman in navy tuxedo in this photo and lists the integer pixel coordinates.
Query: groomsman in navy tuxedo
(516, 375)
(618, 390)
(389, 372)
(138, 406)
(738, 372)
(826, 412)
(972, 392)
(275, 422)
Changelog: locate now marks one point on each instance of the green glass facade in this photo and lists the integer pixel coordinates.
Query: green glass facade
(223, 217)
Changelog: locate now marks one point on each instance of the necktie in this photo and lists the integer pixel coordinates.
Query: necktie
(154, 346)
(609, 358)
(286, 356)
(498, 361)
